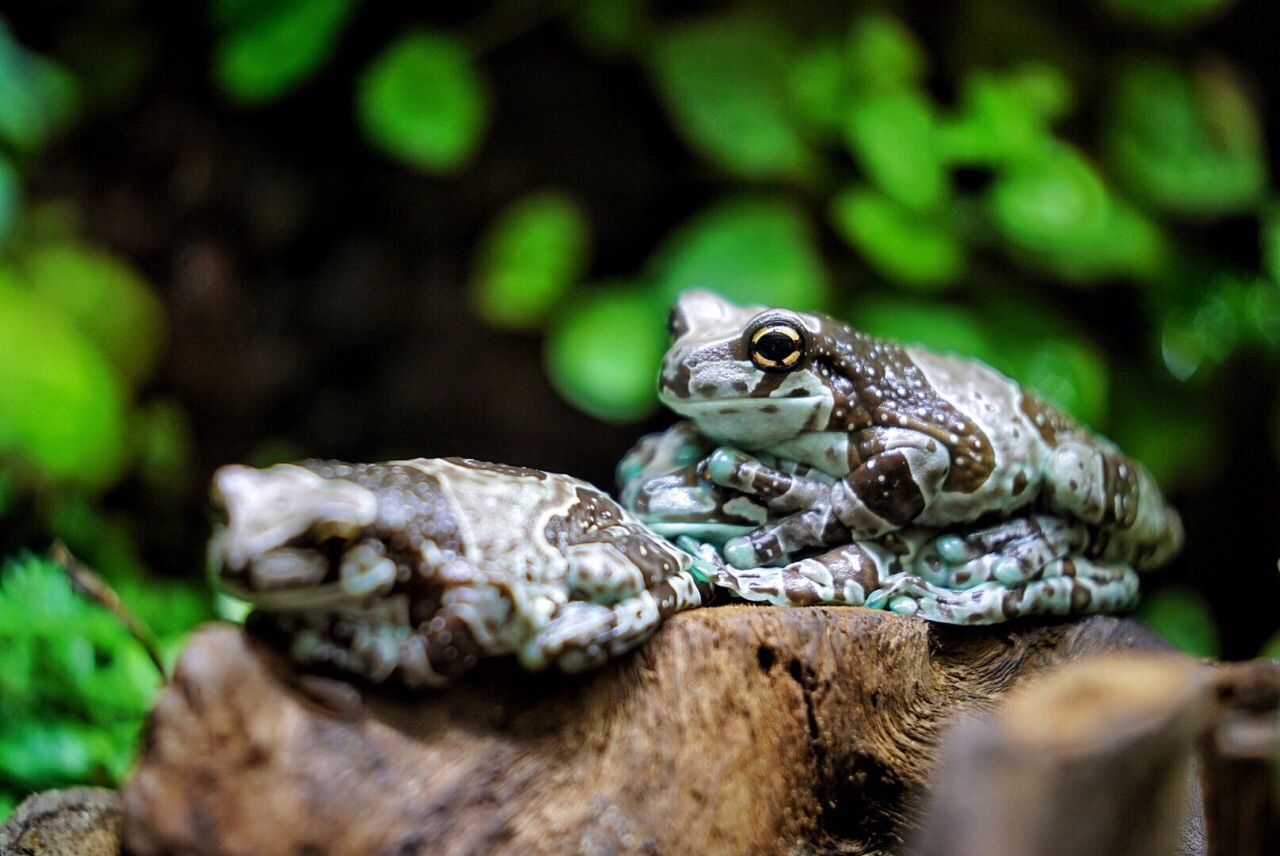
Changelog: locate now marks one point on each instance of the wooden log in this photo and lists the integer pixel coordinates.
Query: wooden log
(73, 822)
(1238, 762)
(1091, 760)
(735, 730)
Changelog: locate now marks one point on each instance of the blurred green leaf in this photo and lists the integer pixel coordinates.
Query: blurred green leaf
(1270, 240)
(1004, 117)
(1055, 202)
(162, 438)
(603, 352)
(1183, 618)
(723, 81)
(1189, 143)
(1070, 373)
(1271, 648)
(912, 248)
(893, 137)
(1169, 14)
(422, 101)
(609, 26)
(264, 55)
(816, 85)
(61, 405)
(883, 54)
(529, 258)
(74, 685)
(1057, 210)
(751, 249)
(37, 97)
(1154, 425)
(10, 200)
(109, 301)
(938, 325)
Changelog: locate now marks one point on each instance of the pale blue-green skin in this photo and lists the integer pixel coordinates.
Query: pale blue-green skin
(980, 449)
(957, 440)
(409, 571)
(951, 575)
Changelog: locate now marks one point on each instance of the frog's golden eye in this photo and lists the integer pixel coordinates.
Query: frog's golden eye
(777, 346)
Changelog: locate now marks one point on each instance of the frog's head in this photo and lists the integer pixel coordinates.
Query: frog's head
(746, 375)
(288, 538)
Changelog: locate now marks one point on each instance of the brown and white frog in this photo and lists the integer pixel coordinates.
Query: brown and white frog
(411, 571)
(886, 471)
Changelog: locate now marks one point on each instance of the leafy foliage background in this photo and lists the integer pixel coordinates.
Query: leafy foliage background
(260, 230)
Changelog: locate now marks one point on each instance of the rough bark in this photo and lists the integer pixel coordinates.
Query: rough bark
(1238, 762)
(74, 822)
(735, 730)
(1091, 760)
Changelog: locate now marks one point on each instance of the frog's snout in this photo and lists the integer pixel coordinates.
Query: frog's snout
(261, 511)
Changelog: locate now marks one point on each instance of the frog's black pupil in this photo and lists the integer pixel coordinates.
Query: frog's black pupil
(775, 346)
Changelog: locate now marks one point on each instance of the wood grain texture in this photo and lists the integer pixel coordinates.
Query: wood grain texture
(734, 730)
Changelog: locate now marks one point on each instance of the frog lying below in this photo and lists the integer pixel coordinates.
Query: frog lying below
(885, 474)
(1029, 564)
(410, 571)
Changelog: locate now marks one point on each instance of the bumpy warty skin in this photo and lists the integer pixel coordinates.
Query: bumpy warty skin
(411, 571)
(809, 436)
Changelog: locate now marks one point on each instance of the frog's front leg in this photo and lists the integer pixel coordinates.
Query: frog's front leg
(845, 575)
(583, 634)
(897, 474)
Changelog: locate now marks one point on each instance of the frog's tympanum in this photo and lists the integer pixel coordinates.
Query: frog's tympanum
(832, 466)
(410, 571)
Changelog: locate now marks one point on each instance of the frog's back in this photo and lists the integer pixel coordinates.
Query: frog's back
(994, 407)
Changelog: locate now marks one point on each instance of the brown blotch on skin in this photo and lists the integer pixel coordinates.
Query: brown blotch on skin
(1048, 420)
(893, 388)
(897, 500)
(1020, 482)
(1081, 597)
(501, 469)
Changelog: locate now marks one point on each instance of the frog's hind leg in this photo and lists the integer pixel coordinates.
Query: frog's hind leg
(1092, 481)
(845, 575)
(1072, 585)
(583, 635)
(1010, 552)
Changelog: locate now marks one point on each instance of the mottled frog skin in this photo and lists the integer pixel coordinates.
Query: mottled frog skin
(410, 571)
(870, 470)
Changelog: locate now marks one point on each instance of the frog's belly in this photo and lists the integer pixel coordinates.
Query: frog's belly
(993, 403)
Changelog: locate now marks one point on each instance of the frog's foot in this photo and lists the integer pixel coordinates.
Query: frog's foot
(583, 635)
(1069, 586)
(1010, 552)
(784, 486)
(844, 575)
(789, 488)
(1092, 481)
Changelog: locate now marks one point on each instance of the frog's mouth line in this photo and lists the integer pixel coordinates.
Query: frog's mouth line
(359, 576)
(745, 404)
(755, 423)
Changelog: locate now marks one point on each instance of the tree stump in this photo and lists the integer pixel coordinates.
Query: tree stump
(737, 729)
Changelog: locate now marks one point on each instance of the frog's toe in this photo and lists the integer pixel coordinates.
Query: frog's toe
(1009, 571)
(725, 465)
(740, 553)
(953, 549)
(903, 605)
